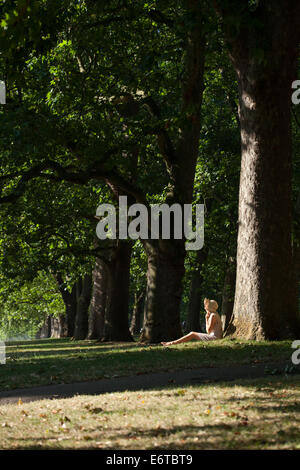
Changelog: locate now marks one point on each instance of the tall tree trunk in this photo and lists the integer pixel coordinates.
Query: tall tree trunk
(228, 293)
(264, 53)
(164, 289)
(196, 294)
(296, 243)
(69, 299)
(58, 327)
(71, 306)
(166, 257)
(265, 305)
(137, 313)
(98, 301)
(45, 330)
(116, 326)
(83, 294)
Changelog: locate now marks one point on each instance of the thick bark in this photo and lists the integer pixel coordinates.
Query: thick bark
(116, 327)
(58, 327)
(265, 304)
(71, 305)
(137, 313)
(296, 243)
(196, 294)
(98, 301)
(83, 294)
(228, 293)
(45, 330)
(69, 299)
(164, 289)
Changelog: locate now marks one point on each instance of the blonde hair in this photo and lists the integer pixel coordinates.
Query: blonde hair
(211, 305)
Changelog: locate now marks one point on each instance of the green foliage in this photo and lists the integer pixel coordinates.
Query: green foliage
(217, 175)
(79, 76)
(24, 306)
(78, 107)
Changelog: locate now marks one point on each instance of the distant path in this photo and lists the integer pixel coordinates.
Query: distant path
(144, 381)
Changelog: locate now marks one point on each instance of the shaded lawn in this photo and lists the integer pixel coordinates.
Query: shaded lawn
(246, 414)
(41, 362)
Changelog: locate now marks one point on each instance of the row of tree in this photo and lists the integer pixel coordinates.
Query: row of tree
(152, 100)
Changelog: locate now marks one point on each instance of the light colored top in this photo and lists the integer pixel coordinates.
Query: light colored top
(214, 324)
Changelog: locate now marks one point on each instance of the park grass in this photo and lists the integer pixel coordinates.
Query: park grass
(50, 361)
(247, 414)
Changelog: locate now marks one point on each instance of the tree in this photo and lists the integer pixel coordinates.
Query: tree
(196, 293)
(228, 293)
(136, 322)
(98, 304)
(91, 123)
(166, 257)
(263, 38)
(138, 271)
(83, 294)
(70, 301)
(26, 305)
(116, 327)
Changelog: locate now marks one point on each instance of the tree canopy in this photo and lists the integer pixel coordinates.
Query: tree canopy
(163, 102)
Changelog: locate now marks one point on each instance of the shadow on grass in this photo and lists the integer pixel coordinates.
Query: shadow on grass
(183, 437)
(71, 350)
(39, 343)
(262, 431)
(64, 361)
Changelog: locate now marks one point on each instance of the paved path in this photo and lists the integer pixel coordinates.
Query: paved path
(144, 381)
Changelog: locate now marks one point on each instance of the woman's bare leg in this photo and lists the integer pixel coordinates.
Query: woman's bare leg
(189, 337)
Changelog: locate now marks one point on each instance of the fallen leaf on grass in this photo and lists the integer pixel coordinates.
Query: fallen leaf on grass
(243, 423)
(64, 419)
(92, 409)
(231, 414)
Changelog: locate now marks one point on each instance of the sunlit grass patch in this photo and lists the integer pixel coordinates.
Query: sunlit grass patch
(249, 414)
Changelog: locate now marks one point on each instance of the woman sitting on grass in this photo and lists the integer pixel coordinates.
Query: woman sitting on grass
(213, 326)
